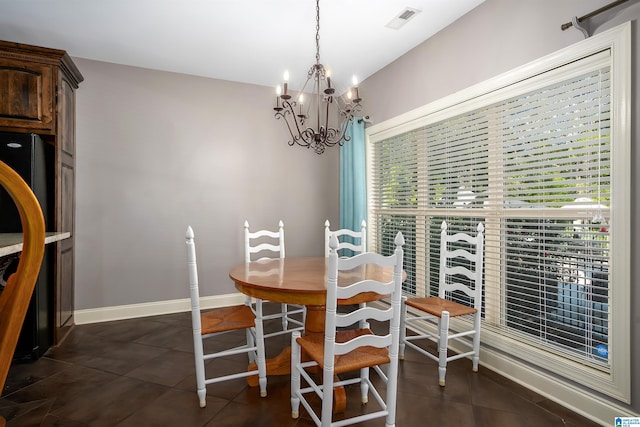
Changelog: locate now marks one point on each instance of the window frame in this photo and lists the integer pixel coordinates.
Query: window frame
(617, 41)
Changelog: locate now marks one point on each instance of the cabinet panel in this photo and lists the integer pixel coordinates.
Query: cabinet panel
(64, 293)
(26, 95)
(67, 198)
(66, 117)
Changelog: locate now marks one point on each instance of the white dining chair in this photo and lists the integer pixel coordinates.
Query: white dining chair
(341, 349)
(266, 244)
(213, 323)
(459, 295)
(350, 242)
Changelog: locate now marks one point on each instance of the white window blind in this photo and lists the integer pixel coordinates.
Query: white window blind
(555, 160)
(533, 162)
(546, 151)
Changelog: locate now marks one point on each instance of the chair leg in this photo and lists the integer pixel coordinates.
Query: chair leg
(285, 313)
(364, 372)
(295, 375)
(392, 393)
(327, 393)
(364, 385)
(442, 344)
(476, 342)
(403, 328)
(251, 342)
(250, 336)
(362, 324)
(201, 387)
(259, 342)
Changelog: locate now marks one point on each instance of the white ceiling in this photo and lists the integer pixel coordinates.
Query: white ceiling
(251, 41)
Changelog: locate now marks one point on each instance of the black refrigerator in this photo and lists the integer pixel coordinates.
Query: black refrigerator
(33, 159)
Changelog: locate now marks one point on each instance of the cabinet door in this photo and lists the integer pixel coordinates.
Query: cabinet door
(65, 209)
(26, 95)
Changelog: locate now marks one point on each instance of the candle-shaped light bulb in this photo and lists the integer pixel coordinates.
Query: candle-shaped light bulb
(278, 93)
(355, 89)
(300, 101)
(328, 74)
(286, 81)
(349, 95)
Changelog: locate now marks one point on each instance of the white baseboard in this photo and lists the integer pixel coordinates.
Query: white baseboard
(131, 311)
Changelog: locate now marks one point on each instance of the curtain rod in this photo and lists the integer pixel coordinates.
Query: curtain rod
(594, 13)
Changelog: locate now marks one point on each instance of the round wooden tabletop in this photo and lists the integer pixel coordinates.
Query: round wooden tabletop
(301, 280)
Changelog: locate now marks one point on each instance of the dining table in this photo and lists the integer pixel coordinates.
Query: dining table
(302, 280)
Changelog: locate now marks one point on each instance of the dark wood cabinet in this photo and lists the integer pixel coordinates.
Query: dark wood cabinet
(26, 94)
(37, 95)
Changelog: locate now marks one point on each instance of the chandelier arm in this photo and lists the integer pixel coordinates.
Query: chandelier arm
(344, 137)
(290, 107)
(326, 120)
(283, 115)
(307, 136)
(289, 110)
(301, 137)
(333, 139)
(318, 100)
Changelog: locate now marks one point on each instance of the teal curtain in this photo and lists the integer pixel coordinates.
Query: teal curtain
(353, 190)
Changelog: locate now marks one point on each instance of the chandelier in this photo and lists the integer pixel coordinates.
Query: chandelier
(330, 127)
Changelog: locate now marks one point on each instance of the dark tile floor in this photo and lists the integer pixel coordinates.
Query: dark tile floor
(140, 372)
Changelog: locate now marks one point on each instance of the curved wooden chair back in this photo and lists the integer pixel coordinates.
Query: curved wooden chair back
(14, 299)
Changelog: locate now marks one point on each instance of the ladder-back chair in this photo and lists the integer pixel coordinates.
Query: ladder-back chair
(340, 349)
(213, 323)
(459, 295)
(350, 242)
(267, 244)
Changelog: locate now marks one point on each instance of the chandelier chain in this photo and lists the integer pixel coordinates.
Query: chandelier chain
(317, 31)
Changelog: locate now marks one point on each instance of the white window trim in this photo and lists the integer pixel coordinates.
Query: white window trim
(617, 383)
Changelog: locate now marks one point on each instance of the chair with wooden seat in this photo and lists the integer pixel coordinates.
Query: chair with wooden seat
(16, 295)
(342, 349)
(213, 323)
(266, 244)
(350, 242)
(459, 296)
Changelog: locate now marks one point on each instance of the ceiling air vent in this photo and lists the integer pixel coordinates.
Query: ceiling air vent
(402, 18)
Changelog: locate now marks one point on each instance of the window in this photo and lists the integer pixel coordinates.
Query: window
(543, 162)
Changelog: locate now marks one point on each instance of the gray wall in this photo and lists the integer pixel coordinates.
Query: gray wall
(490, 40)
(158, 151)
